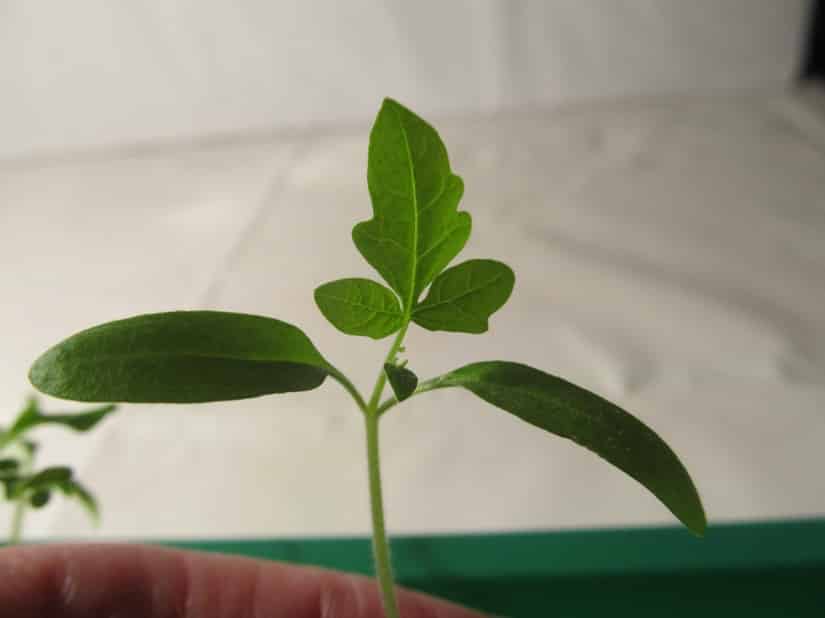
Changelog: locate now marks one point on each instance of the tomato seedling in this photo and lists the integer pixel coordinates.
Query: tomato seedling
(414, 234)
(23, 486)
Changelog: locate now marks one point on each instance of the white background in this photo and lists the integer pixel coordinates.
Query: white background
(87, 73)
(645, 167)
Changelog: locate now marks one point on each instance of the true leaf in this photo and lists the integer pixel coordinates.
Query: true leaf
(402, 381)
(574, 413)
(360, 307)
(463, 297)
(416, 229)
(181, 357)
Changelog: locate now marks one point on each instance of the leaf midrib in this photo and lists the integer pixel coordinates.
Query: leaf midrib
(194, 355)
(361, 305)
(593, 418)
(453, 299)
(414, 261)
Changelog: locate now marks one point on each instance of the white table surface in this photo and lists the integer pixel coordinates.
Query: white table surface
(669, 254)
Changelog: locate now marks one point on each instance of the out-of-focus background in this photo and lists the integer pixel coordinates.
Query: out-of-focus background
(653, 170)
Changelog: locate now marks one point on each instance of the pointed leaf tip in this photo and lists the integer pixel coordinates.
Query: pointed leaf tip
(416, 229)
(571, 412)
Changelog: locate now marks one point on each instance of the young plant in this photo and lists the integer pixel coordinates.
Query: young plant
(415, 232)
(23, 486)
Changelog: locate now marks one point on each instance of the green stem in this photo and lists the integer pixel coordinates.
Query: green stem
(382, 376)
(380, 545)
(19, 514)
(429, 385)
(349, 387)
(16, 532)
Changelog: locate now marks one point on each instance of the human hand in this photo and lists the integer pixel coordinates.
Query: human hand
(124, 581)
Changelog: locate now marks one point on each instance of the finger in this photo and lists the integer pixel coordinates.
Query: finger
(85, 581)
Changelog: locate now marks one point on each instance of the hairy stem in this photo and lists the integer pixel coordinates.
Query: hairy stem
(381, 381)
(428, 385)
(380, 546)
(344, 381)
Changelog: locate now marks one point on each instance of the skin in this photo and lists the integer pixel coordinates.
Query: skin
(126, 581)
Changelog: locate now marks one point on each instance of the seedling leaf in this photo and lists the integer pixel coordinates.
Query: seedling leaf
(574, 413)
(463, 297)
(360, 307)
(402, 381)
(181, 357)
(415, 230)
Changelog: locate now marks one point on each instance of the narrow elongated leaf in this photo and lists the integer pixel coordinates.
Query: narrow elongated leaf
(360, 307)
(402, 381)
(32, 416)
(415, 230)
(181, 357)
(463, 297)
(574, 413)
(9, 466)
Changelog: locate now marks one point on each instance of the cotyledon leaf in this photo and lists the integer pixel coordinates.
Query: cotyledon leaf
(181, 357)
(416, 229)
(574, 413)
(360, 307)
(463, 297)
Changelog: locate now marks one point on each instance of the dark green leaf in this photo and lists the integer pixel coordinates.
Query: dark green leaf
(45, 479)
(415, 230)
(360, 307)
(463, 297)
(32, 416)
(9, 466)
(591, 421)
(181, 357)
(73, 489)
(402, 380)
(40, 498)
